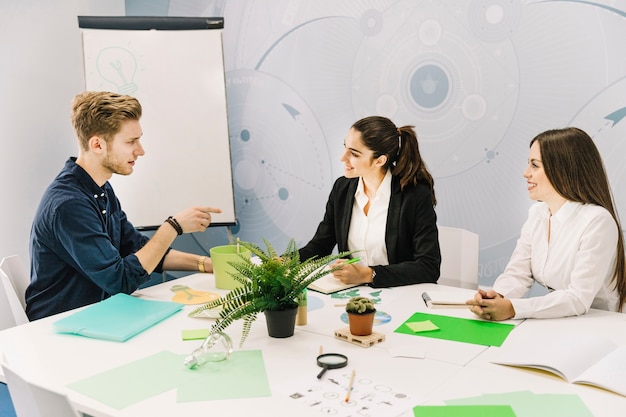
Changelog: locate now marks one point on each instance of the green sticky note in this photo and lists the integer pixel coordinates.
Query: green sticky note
(463, 411)
(479, 332)
(195, 334)
(422, 326)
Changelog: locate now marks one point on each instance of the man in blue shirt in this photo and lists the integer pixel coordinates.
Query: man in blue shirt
(83, 248)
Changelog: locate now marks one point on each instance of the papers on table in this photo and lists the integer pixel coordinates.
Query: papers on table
(522, 403)
(368, 397)
(242, 375)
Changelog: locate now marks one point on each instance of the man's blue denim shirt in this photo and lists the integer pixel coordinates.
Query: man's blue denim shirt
(81, 246)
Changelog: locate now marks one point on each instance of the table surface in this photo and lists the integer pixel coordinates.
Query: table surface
(430, 370)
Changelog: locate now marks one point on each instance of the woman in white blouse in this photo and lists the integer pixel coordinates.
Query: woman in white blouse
(571, 242)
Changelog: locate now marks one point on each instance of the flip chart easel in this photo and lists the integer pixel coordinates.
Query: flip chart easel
(175, 67)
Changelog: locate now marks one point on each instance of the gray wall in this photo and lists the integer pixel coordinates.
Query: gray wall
(478, 79)
(41, 70)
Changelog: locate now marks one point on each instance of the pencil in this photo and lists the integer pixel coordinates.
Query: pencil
(350, 386)
(352, 261)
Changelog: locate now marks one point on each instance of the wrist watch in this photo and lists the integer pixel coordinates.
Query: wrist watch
(373, 274)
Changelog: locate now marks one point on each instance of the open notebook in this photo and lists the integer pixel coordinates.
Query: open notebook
(117, 318)
(328, 284)
(577, 358)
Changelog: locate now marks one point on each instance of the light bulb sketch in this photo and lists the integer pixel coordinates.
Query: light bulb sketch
(118, 66)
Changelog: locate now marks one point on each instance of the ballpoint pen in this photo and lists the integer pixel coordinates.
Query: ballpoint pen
(352, 261)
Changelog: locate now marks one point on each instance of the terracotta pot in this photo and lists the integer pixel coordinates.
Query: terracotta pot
(281, 323)
(361, 324)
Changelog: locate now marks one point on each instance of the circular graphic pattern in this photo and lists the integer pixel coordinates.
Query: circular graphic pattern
(429, 86)
(436, 75)
(313, 303)
(494, 20)
(273, 156)
(430, 32)
(371, 22)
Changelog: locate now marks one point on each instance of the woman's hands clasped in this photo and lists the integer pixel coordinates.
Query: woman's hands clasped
(490, 305)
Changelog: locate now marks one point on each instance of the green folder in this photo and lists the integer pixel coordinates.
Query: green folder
(118, 318)
(486, 333)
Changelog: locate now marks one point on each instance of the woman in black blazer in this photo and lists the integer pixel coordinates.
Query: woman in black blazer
(383, 207)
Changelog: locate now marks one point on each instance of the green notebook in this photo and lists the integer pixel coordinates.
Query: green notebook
(117, 318)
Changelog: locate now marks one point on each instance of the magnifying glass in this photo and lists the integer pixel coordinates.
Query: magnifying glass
(331, 361)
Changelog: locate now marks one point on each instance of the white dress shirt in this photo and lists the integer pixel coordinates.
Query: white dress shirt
(576, 264)
(367, 232)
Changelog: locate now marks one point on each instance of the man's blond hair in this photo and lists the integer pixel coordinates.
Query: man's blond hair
(102, 113)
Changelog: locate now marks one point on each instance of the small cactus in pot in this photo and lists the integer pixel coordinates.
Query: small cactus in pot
(360, 305)
(361, 312)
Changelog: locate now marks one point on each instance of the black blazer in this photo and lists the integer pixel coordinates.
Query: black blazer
(411, 233)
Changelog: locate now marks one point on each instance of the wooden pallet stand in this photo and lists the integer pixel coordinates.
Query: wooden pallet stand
(363, 341)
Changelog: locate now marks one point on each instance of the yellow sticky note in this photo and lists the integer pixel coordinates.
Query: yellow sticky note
(195, 334)
(422, 326)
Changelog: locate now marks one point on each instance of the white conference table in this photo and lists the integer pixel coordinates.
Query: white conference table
(439, 370)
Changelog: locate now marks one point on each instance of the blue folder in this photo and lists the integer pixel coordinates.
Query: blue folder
(118, 318)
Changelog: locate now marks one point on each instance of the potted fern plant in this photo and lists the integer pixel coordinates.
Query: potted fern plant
(270, 285)
(361, 312)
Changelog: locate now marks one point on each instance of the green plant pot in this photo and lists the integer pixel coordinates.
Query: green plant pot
(281, 323)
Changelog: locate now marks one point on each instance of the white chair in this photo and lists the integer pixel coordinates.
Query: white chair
(459, 257)
(15, 269)
(11, 311)
(30, 400)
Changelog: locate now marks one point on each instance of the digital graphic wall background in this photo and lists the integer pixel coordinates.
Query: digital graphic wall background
(478, 79)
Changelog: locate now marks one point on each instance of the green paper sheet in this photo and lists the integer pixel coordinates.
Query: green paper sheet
(133, 382)
(240, 376)
(463, 411)
(478, 332)
(529, 404)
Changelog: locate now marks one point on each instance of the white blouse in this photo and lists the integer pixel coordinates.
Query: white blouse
(576, 264)
(367, 232)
